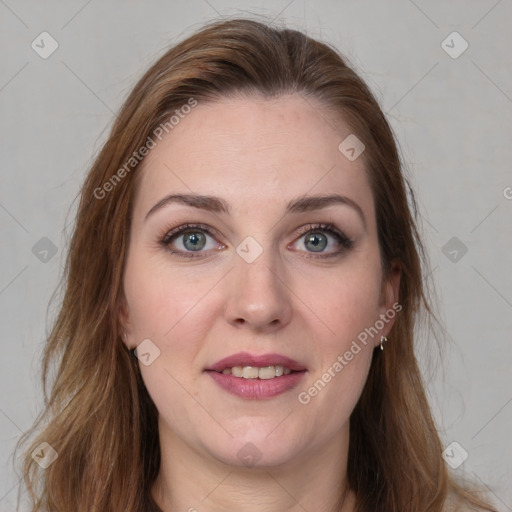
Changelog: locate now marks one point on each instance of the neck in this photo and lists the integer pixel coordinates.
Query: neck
(193, 481)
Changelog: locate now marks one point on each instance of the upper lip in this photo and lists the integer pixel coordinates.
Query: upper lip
(247, 359)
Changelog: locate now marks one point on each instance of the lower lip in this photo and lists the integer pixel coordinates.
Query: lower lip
(257, 388)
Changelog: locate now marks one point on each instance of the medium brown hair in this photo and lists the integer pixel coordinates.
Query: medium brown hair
(98, 415)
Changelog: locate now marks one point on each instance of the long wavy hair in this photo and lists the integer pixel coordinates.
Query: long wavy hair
(98, 415)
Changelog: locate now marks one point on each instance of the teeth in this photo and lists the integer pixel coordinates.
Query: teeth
(253, 372)
(267, 372)
(250, 372)
(237, 371)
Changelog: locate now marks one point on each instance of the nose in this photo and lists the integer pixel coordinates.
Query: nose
(258, 297)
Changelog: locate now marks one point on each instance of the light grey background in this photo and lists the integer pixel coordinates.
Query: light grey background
(453, 118)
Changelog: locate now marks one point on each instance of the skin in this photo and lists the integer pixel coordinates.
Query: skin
(257, 154)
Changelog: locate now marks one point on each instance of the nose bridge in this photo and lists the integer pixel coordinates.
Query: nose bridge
(259, 295)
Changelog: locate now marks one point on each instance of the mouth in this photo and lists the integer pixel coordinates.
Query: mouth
(252, 366)
(257, 377)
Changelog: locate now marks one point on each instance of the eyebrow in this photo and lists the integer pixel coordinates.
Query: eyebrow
(218, 205)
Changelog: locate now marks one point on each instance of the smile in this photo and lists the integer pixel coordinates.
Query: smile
(253, 372)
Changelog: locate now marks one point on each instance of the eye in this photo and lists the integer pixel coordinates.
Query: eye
(190, 238)
(323, 239)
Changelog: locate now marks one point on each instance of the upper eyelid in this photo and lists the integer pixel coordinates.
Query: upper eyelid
(178, 230)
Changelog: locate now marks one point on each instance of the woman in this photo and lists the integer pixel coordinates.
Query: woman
(242, 287)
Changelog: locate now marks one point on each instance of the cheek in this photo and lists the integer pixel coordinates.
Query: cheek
(166, 308)
(333, 395)
(175, 310)
(160, 299)
(347, 301)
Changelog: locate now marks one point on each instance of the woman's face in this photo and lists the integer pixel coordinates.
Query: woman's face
(263, 271)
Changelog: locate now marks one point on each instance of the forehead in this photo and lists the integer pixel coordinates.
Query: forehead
(254, 152)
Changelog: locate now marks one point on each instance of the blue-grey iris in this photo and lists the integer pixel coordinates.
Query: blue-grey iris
(194, 241)
(316, 242)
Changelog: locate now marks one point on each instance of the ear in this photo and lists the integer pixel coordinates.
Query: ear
(389, 298)
(125, 323)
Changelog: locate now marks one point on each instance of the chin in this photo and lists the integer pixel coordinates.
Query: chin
(254, 451)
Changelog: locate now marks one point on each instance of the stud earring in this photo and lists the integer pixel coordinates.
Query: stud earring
(383, 340)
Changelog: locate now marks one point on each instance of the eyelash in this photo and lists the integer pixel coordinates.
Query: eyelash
(345, 242)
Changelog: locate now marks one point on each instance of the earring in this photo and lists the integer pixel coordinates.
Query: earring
(383, 340)
(133, 351)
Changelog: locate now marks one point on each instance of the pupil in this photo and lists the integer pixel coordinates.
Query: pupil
(318, 242)
(194, 241)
